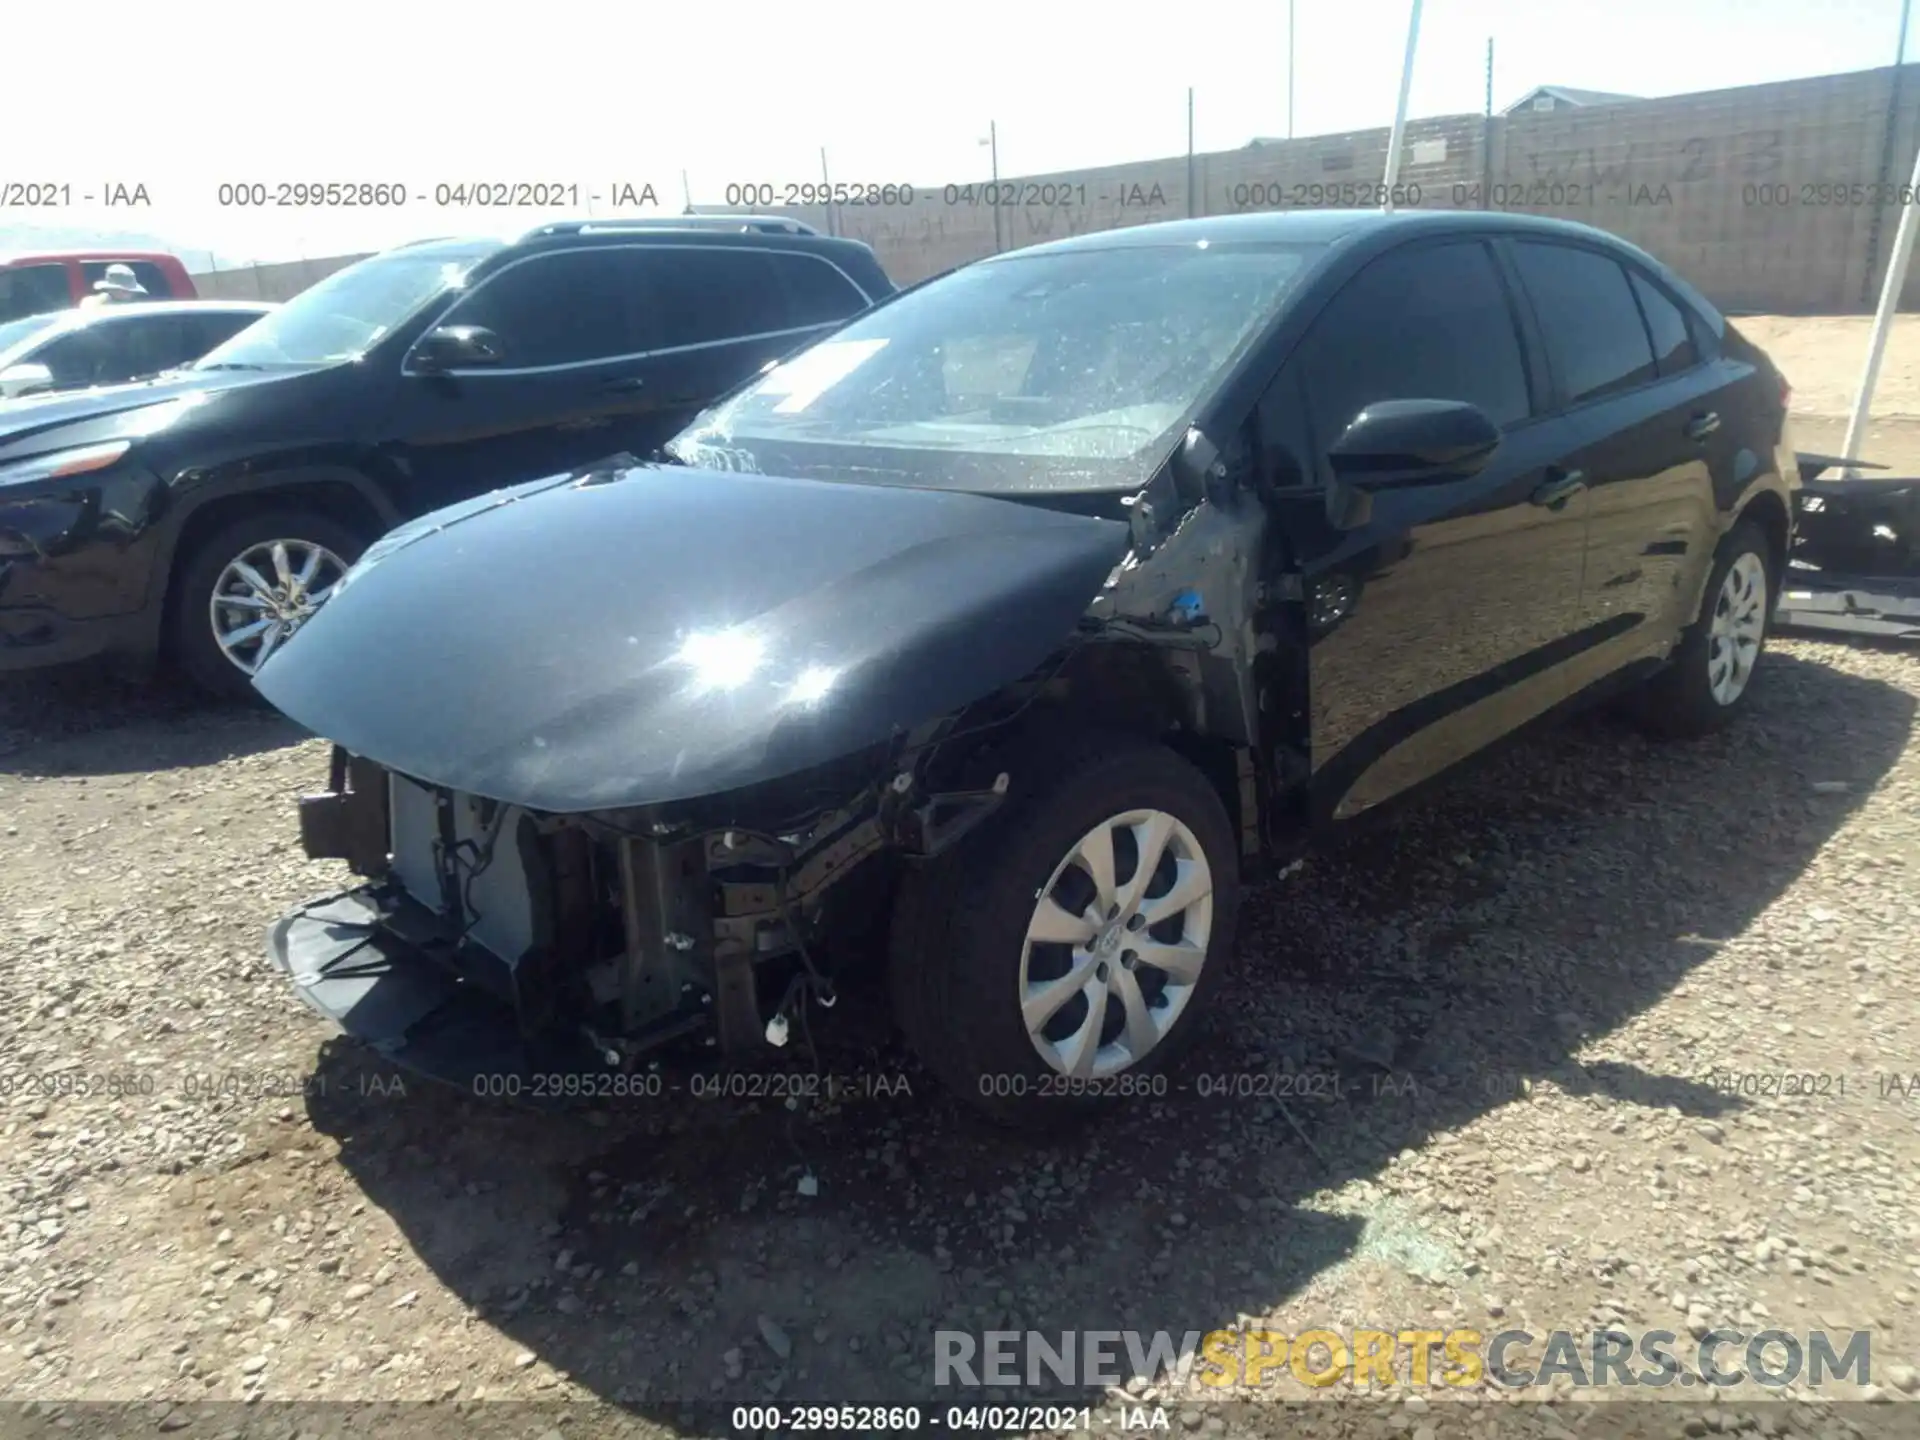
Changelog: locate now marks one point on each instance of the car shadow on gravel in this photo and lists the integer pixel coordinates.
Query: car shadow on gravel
(679, 1251)
(86, 721)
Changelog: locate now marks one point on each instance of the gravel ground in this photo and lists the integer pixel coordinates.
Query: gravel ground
(1521, 991)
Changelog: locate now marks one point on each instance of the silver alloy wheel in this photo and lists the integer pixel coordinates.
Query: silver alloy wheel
(1739, 624)
(266, 593)
(1116, 944)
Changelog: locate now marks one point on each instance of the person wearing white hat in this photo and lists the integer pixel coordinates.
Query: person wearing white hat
(117, 286)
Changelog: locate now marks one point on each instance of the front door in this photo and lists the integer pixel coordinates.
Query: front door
(1444, 618)
(571, 386)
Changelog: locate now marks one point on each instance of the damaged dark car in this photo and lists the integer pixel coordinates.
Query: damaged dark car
(1002, 634)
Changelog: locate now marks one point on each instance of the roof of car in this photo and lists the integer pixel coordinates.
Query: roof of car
(1306, 227)
(569, 234)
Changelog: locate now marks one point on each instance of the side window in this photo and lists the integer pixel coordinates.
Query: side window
(1427, 322)
(1673, 347)
(1588, 316)
(554, 309)
(148, 345)
(817, 293)
(713, 294)
(151, 277)
(33, 290)
(78, 360)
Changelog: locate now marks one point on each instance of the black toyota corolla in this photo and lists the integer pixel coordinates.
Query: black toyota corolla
(1027, 613)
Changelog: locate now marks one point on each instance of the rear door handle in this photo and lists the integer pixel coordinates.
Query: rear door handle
(1559, 487)
(1701, 426)
(624, 384)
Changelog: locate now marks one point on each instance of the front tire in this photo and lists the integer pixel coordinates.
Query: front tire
(247, 587)
(1058, 959)
(1710, 675)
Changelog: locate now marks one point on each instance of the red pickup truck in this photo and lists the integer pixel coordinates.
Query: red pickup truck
(31, 284)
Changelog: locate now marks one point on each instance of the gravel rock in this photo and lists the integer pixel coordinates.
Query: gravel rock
(1602, 1028)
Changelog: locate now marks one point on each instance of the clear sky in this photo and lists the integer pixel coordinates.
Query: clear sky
(417, 92)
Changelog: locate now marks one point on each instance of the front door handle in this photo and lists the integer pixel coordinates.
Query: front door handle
(624, 384)
(1559, 487)
(1701, 426)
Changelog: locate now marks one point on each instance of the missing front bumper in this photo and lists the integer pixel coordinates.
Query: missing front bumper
(347, 964)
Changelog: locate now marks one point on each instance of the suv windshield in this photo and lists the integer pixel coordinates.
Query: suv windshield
(349, 311)
(1071, 370)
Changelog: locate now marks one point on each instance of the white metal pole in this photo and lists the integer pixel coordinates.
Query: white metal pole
(1398, 137)
(1883, 316)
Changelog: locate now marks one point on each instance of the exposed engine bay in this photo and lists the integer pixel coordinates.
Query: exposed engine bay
(590, 944)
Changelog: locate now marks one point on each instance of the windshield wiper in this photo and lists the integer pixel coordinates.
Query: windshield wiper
(229, 365)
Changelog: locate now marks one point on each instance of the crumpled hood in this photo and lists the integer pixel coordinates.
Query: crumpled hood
(655, 633)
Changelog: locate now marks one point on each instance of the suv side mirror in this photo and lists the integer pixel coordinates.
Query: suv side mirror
(1393, 443)
(24, 379)
(455, 347)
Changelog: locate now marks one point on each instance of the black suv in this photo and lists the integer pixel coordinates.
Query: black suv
(1022, 615)
(205, 514)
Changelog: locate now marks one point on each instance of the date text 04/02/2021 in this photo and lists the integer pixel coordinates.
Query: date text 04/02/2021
(912, 1419)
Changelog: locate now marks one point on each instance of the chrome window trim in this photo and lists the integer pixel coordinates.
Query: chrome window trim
(858, 289)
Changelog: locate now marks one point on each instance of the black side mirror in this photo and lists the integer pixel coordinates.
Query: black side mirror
(1414, 442)
(455, 347)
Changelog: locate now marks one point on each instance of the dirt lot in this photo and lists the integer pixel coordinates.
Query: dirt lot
(1822, 357)
(1551, 1001)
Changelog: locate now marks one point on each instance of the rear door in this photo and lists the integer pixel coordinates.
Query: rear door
(1446, 618)
(719, 313)
(1628, 370)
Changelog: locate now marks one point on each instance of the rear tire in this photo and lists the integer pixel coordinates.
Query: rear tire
(1711, 673)
(193, 640)
(1006, 1018)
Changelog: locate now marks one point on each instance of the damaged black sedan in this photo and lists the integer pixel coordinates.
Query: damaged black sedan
(1006, 630)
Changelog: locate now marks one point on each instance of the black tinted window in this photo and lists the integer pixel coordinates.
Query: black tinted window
(118, 350)
(33, 290)
(555, 309)
(704, 295)
(152, 279)
(147, 345)
(1673, 346)
(1591, 323)
(1430, 323)
(86, 357)
(817, 293)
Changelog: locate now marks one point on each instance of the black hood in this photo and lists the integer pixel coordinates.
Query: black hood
(39, 423)
(654, 633)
